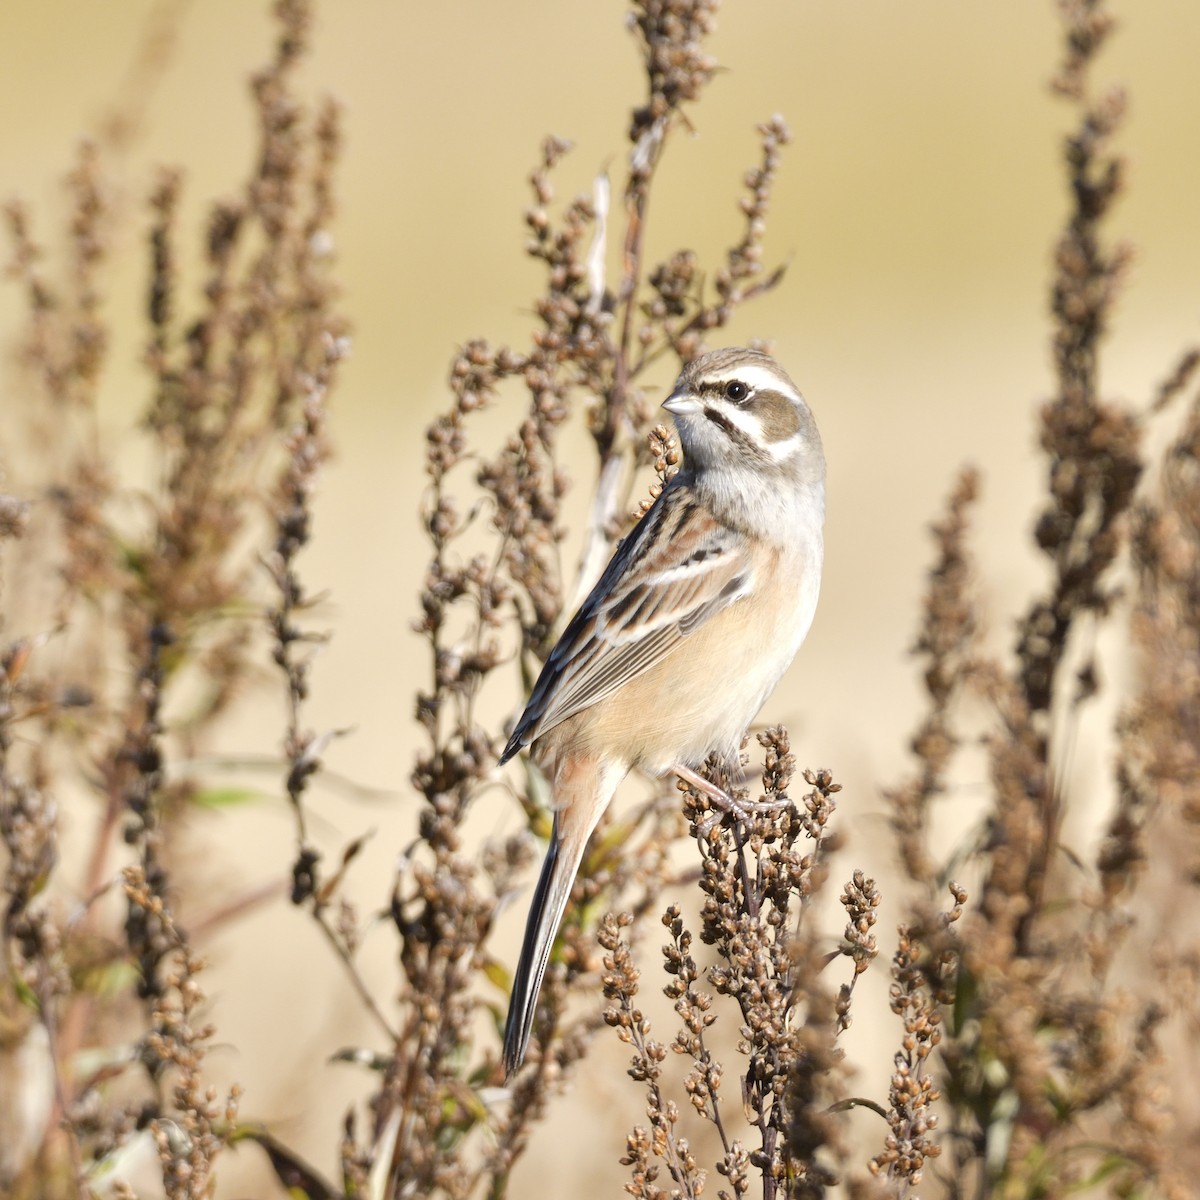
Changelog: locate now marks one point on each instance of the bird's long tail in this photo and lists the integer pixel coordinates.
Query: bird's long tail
(573, 825)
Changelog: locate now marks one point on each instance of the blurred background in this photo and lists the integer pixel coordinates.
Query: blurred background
(916, 210)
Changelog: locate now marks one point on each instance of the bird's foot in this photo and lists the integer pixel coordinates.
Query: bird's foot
(726, 805)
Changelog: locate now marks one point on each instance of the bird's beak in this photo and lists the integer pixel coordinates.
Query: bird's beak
(679, 404)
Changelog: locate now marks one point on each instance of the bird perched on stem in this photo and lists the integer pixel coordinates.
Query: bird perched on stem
(687, 632)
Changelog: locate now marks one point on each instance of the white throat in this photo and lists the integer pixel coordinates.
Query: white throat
(777, 510)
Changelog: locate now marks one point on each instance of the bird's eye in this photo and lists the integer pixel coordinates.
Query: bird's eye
(736, 391)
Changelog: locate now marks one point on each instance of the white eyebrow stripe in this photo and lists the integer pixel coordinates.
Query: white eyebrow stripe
(747, 422)
(760, 378)
(784, 449)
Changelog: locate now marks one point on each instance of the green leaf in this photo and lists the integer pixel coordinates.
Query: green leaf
(496, 973)
(110, 979)
(361, 1057)
(230, 797)
(26, 994)
(1109, 1166)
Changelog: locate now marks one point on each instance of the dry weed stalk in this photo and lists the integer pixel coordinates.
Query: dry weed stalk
(758, 881)
(1050, 1052)
(594, 343)
(155, 592)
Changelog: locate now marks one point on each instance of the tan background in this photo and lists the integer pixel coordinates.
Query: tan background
(916, 207)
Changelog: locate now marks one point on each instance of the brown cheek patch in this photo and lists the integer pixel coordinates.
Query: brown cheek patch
(778, 416)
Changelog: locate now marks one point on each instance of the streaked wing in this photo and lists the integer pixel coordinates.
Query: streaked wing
(671, 574)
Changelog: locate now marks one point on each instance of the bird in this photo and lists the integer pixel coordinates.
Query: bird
(700, 611)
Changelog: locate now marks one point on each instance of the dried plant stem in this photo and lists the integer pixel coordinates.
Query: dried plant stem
(63, 1092)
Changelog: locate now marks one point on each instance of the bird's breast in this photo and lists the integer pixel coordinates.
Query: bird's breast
(702, 696)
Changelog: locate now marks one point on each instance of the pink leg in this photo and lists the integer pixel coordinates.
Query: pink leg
(723, 800)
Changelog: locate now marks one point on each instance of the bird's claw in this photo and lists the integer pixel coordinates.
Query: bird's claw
(726, 805)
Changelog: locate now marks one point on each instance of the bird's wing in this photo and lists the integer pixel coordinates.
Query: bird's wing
(677, 568)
